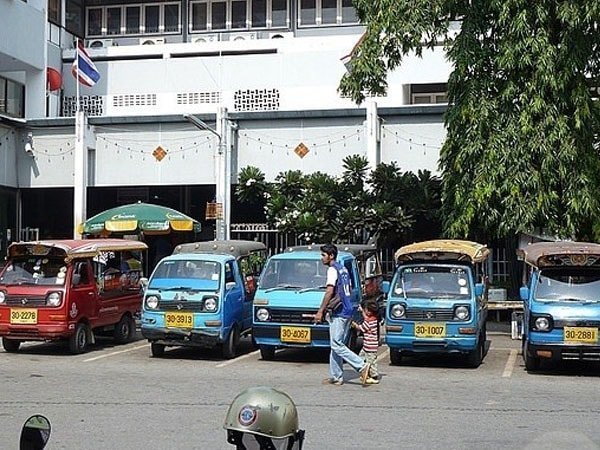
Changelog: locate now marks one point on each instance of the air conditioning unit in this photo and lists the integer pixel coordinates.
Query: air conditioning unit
(202, 38)
(99, 43)
(280, 35)
(243, 36)
(152, 41)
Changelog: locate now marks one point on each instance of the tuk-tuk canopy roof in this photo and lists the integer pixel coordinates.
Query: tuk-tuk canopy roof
(354, 249)
(443, 250)
(562, 253)
(73, 249)
(235, 248)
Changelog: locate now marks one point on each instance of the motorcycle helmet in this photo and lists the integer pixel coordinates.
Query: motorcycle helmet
(263, 418)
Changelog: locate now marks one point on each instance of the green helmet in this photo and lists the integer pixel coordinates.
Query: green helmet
(265, 413)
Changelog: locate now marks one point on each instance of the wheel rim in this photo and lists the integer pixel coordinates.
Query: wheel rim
(81, 338)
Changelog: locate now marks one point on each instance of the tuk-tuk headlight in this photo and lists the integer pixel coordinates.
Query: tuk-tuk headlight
(152, 302)
(54, 299)
(461, 312)
(262, 314)
(210, 304)
(542, 324)
(2, 297)
(397, 311)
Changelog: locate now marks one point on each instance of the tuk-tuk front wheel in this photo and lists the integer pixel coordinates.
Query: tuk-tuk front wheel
(267, 352)
(475, 356)
(230, 346)
(395, 357)
(532, 363)
(124, 330)
(11, 345)
(157, 350)
(79, 341)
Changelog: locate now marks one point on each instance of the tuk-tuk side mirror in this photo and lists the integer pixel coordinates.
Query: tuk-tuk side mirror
(230, 285)
(143, 282)
(524, 293)
(385, 287)
(479, 289)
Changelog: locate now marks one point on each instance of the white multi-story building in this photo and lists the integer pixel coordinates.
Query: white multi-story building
(273, 65)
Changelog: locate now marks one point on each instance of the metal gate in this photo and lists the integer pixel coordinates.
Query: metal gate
(275, 240)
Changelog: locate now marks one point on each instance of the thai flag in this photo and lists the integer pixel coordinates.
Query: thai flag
(83, 68)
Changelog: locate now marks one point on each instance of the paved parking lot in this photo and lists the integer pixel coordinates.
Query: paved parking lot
(120, 397)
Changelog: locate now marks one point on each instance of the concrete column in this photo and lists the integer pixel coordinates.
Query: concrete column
(221, 179)
(35, 97)
(79, 172)
(373, 134)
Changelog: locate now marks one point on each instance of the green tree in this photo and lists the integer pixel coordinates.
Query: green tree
(521, 151)
(384, 204)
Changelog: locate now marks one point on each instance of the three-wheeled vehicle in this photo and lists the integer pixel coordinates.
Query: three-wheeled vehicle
(437, 301)
(69, 289)
(291, 289)
(201, 295)
(561, 302)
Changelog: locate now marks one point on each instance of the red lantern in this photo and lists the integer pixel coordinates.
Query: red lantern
(53, 78)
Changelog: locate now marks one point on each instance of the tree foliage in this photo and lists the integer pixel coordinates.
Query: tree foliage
(521, 152)
(385, 204)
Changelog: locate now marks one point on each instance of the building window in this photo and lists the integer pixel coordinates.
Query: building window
(151, 18)
(199, 17)
(133, 19)
(348, 12)
(431, 93)
(223, 15)
(54, 11)
(113, 21)
(238, 14)
(74, 17)
(279, 13)
(171, 18)
(259, 13)
(326, 12)
(94, 22)
(308, 12)
(12, 98)
(219, 15)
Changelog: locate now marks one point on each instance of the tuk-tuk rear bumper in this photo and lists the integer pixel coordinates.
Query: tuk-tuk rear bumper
(189, 338)
(560, 352)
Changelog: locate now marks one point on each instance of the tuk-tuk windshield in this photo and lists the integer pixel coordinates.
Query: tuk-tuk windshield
(565, 283)
(186, 274)
(433, 281)
(294, 274)
(34, 270)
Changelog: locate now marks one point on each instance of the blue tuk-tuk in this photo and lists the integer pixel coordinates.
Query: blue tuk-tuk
(437, 301)
(561, 302)
(201, 296)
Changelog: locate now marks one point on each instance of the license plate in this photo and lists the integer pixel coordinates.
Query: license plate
(179, 320)
(430, 330)
(23, 316)
(295, 334)
(581, 335)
